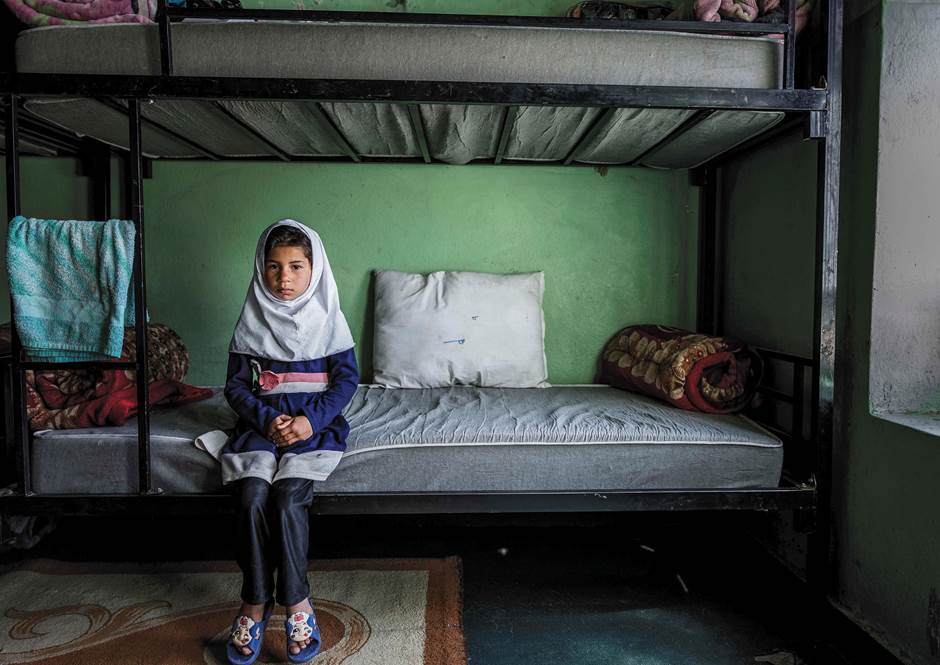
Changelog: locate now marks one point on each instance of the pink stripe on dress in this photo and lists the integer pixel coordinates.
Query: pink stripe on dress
(269, 380)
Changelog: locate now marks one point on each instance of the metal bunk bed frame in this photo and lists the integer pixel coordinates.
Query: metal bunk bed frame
(805, 487)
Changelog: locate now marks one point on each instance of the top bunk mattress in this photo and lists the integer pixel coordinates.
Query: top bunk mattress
(458, 439)
(454, 133)
(393, 51)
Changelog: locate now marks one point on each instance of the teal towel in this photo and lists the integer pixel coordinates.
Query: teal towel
(70, 283)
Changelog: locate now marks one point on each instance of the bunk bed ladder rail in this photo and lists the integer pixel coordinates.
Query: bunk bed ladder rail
(799, 433)
(789, 46)
(135, 193)
(17, 426)
(17, 430)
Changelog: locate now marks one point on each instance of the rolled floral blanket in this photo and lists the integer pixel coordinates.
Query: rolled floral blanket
(691, 371)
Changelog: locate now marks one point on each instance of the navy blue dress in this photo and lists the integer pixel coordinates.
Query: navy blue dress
(259, 390)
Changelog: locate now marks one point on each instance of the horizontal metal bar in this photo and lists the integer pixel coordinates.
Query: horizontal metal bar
(416, 160)
(783, 355)
(401, 503)
(48, 134)
(36, 136)
(31, 138)
(367, 90)
(34, 124)
(778, 394)
(418, 18)
(562, 502)
(43, 134)
(84, 364)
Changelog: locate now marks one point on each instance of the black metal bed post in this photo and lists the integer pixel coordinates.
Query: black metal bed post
(166, 44)
(820, 555)
(789, 46)
(20, 425)
(135, 188)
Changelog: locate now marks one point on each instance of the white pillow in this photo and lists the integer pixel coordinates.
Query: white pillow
(451, 328)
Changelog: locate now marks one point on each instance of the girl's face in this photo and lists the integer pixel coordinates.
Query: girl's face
(287, 271)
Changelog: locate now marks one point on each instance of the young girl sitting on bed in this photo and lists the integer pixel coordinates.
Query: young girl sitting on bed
(290, 432)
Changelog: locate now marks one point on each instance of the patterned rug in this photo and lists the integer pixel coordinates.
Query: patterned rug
(370, 611)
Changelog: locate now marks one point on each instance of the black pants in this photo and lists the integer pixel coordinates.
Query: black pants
(273, 532)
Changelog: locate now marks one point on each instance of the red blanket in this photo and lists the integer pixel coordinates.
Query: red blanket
(691, 371)
(73, 398)
(109, 401)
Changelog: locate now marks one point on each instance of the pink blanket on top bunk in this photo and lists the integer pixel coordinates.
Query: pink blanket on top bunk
(744, 10)
(37, 13)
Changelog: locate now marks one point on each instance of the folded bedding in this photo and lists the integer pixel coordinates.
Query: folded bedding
(79, 398)
(691, 371)
(761, 11)
(70, 284)
(592, 9)
(37, 13)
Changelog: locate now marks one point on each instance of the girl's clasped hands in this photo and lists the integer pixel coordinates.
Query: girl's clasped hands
(286, 430)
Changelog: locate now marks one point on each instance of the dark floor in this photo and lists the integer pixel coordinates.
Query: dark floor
(626, 590)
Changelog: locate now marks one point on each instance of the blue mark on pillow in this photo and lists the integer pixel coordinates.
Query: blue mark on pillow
(454, 341)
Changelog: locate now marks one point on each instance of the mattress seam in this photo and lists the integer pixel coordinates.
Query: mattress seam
(350, 453)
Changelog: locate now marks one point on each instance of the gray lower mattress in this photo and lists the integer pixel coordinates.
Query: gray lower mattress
(459, 439)
(455, 134)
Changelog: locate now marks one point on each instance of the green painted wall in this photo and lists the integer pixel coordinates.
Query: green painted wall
(616, 248)
(769, 255)
(887, 498)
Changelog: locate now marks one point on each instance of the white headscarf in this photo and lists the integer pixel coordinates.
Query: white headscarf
(308, 327)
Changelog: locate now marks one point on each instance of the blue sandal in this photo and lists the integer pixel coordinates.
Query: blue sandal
(246, 632)
(301, 626)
